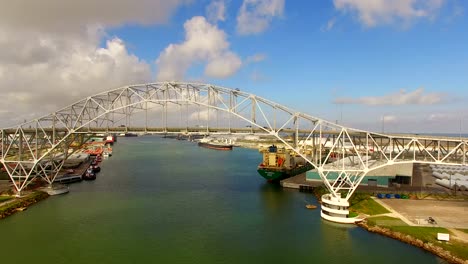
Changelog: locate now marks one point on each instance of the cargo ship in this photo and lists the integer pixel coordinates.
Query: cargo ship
(278, 164)
(215, 144)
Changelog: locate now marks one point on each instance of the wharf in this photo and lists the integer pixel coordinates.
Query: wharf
(421, 177)
(76, 175)
(299, 182)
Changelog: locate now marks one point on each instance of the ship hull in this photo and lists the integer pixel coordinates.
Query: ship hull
(215, 146)
(278, 174)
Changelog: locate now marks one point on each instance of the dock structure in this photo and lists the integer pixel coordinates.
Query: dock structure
(77, 174)
(419, 179)
(300, 182)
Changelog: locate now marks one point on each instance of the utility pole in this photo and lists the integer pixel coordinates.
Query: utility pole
(460, 128)
(341, 113)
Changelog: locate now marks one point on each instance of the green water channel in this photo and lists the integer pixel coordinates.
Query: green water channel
(167, 201)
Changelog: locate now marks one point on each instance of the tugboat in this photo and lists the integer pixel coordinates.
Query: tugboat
(95, 164)
(279, 164)
(95, 168)
(107, 152)
(89, 175)
(215, 144)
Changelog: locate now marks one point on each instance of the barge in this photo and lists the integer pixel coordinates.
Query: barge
(215, 144)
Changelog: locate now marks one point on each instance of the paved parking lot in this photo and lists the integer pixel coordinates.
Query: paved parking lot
(450, 214)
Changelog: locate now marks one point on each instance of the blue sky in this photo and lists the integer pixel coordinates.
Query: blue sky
(405, 60)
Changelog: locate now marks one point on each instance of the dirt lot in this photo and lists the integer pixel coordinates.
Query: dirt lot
(450, 214)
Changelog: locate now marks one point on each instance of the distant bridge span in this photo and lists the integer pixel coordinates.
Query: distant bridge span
(31, 148)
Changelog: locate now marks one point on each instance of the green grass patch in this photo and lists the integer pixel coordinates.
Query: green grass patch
(363, 203)
(385, 221)
(4, 198)
(352, 214)
(425, 234)
(463, 230)
(456, 248)
(8, 209)
(429, 234)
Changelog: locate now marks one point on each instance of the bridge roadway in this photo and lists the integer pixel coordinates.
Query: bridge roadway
(357, 138)
(225, 131)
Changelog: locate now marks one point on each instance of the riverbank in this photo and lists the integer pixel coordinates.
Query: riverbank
(16, 204)
(386, 221)
(453, 252)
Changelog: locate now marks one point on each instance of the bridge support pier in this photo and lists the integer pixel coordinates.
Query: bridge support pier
(335, 209)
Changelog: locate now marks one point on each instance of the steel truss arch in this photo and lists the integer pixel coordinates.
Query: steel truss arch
(39, 147)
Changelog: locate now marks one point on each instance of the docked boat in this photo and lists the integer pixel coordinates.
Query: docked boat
(215, 144)
(278, 164)
(110, 139)
(107, 152)
(89, 175)
(95, 168)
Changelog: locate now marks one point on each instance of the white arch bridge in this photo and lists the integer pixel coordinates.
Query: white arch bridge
(38, 148)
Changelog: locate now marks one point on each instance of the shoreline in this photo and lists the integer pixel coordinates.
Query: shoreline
(408, 239)
(10, 207)
(405, 238)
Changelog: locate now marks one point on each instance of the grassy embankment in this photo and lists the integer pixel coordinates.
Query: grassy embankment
(362, 203)
(424, 237)
(5, 198)
(15, 203)
(427, 235)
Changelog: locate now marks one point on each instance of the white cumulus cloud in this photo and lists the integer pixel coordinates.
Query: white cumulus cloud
(73, 16)
(223, 66)
(416, 97)
(51, 52)
(216, 11)
(255, 16)
(33, 84)
(204, 43)
(372, 13)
